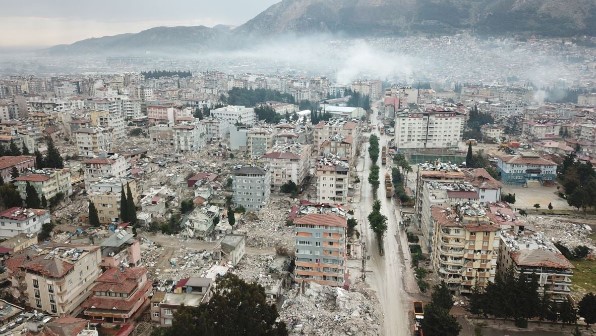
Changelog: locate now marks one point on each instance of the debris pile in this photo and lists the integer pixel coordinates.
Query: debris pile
(324, 310)
(566, 232)
(268, 229)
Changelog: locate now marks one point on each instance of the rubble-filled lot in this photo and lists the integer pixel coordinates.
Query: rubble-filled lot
(268, 228)
(571, 234)
(324, 310)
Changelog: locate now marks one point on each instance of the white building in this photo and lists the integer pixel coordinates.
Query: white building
(429, 129)
(235, 114)
(288, 163)
(92, 141)
(104, 166)
(15, 221)
(189, 138)
(332, 181)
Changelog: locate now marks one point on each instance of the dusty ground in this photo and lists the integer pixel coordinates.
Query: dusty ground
(527, 197)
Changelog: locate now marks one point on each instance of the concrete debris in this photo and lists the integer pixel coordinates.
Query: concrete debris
(269, 229)
(567, 232)
(324, 310)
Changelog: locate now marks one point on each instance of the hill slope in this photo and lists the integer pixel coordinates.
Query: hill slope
(362, 18)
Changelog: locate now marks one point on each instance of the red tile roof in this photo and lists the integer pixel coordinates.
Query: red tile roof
(114, 280)
(18, 213)
(10, 161)
(118, 304)
(541, 258)
(281, 155)
(99, 161)
(33, 178)
(322, 219)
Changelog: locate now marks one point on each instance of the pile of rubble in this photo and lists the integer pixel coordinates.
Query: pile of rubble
(568, 233)
(324, 310)
(267, 228)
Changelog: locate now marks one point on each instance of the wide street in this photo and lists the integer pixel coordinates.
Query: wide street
(390, 275)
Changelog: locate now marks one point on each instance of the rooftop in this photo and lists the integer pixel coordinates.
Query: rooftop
(322, 219)
(20, 214)
(9, 161)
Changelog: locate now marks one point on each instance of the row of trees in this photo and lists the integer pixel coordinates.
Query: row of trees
(52, 159)
(267, 113)
(13, 150)
(318, 115)
(155, 74)
(475, 121)
(437, 320)
(518, 298)
(397, 176)
(358, 100)
(373, 153)
(373, 149)
(236, 308)
(579, 182)
(128, 210)
(251, 98)
(378, 223)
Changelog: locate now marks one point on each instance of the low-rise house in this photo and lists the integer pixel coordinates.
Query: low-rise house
(21, 221)
(232, 248)
(119, 294)
(190, 292)
(525, 167)
(200, 222)
(121, 248)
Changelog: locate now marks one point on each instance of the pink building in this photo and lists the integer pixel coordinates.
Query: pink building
(120, 249)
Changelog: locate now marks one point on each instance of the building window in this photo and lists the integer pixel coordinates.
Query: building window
(50, 289)
(156, 314)
(37, 293)
(53, 308)
(168, 312)
(35, 283)
(52, 299)
(38, 303)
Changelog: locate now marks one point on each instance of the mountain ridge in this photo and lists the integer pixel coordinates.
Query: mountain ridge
(358, 18)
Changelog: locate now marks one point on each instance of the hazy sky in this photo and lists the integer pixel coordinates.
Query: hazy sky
(51, 22)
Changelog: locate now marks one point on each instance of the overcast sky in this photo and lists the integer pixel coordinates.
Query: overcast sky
(51, 22)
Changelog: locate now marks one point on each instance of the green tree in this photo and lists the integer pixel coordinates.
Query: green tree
(442, 297)
(1, 180)
(378, 222)
(537, 206)
(567, 312)
(10, 196)
(44, 202)
(45, 232)
(587, 308)
(186, 206)
(39, 160)
(93, 215)
(25, 150)
(53, 158)
(352, 222)
(32, 198)
(14, 150)
(470, 157)
(14, 172)
(231, 216)
(550, 206)
(289, 188)
(438, 321)
(132, 209)
(124, 217)
(236, 308)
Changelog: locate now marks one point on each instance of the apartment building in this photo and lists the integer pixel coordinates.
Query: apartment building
(16, 221)
(428, 129)
(333, 180)
(321, 249)
(541, 129)
(92, 141)
(493, 132)
(166, 114)
(324, 131)
(22, 163)
(9, 110)
(465, 247)
(288, 163)
(105, 195)
(47, 182)
(235, 114)
(251, 186)
(189, 138)
(529, 252)
(118, 295)
(339, 146)
(104, 166)
(259, 141)
(214, 129)
(59, 278)
(113, 122)
(371, 88)
(525, 167)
